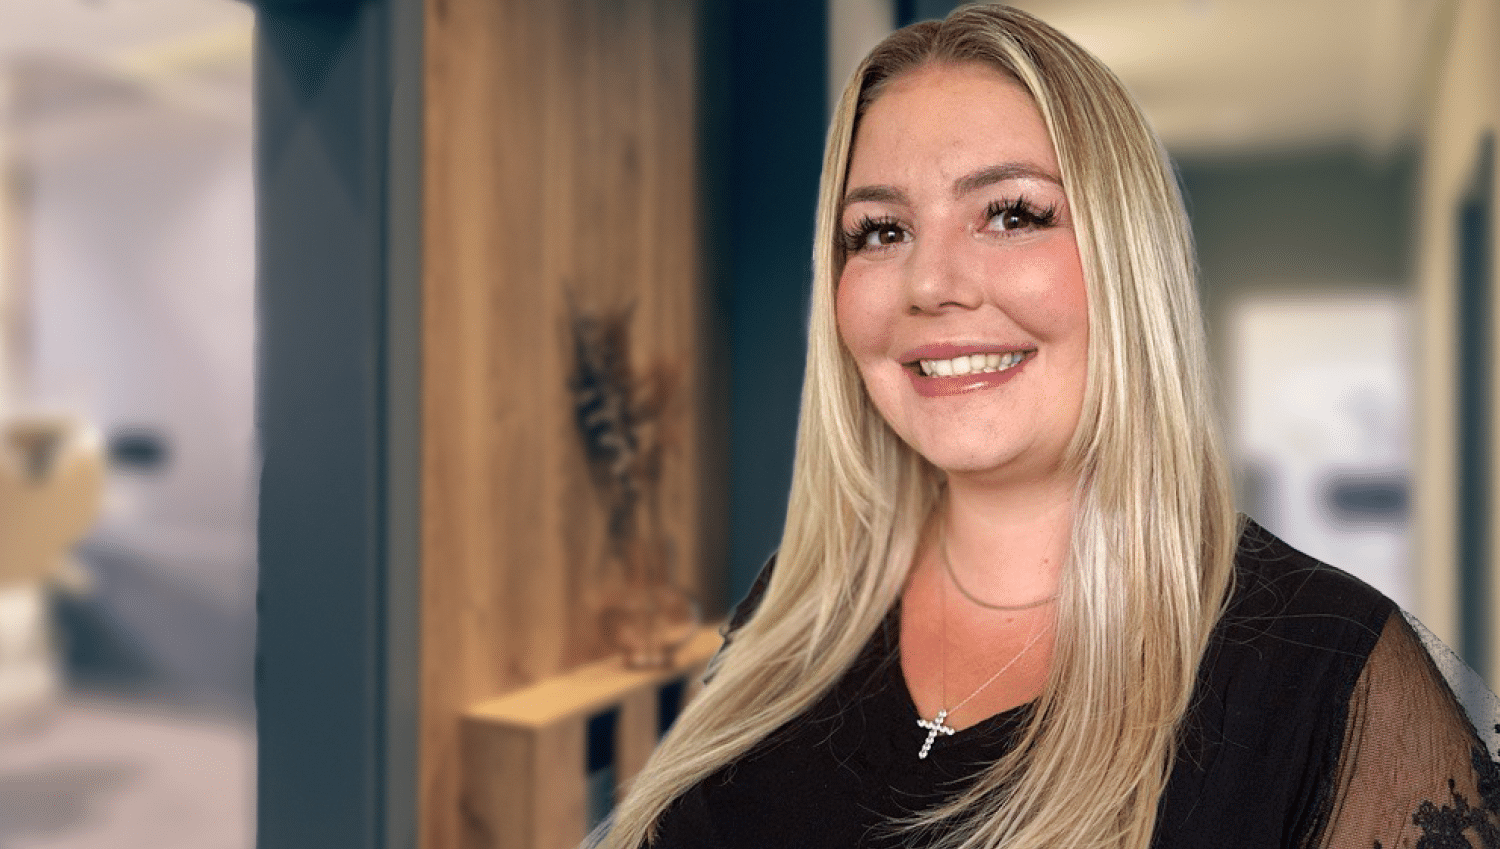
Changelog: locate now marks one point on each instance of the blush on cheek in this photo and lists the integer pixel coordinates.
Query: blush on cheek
(851, 317)
(1057, 306)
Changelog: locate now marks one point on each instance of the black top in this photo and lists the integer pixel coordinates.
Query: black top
(1318, 720)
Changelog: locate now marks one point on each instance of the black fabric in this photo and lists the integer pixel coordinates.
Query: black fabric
(1267, 757)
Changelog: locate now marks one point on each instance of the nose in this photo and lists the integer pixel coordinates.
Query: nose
(940, 274)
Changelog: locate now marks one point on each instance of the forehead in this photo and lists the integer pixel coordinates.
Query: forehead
(944, 120)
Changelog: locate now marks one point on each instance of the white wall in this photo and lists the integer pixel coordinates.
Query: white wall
(10, 264)
(141, 273)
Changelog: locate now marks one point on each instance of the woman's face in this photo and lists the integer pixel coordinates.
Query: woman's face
(962, 298)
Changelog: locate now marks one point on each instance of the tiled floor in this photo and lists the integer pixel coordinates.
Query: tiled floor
(127, 774)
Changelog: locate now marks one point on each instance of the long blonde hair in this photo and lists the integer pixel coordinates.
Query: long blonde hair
(1154, 531)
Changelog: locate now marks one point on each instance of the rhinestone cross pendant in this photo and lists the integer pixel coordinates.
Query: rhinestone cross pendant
(934, 727)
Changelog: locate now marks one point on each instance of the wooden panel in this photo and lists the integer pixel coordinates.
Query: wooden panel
(512, 798)
(523, 753)
(637, 733)
(560, 156)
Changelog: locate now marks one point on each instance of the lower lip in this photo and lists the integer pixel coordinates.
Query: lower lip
(959, 384)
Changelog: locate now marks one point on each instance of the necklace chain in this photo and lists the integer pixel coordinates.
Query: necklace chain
(953, 576)
(937, 724)
(1001, 671)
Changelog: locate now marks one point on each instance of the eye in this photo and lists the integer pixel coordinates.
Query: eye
(885, 234)
(874, 234)
(1019, 214)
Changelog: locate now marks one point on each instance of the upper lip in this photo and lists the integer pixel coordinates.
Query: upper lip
(949, 350)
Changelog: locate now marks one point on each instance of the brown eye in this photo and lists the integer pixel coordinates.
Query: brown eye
(1011, 220)
(1019, 215)
(883, 235)
(874, 234)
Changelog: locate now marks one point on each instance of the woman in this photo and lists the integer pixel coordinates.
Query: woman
(1013, 605)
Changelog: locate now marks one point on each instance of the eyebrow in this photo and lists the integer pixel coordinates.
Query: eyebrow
(877, 194)
(963, 185)
(999, 174)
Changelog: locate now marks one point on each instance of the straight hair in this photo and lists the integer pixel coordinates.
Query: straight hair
(1154, 532)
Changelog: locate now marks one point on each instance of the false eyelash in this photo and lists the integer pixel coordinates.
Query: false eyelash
(1040, 217)
(852, 240)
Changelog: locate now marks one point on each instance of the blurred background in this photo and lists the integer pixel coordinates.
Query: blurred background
(1336, 158)
(127, 275)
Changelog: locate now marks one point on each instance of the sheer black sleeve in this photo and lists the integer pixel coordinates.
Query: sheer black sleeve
(1412, 771)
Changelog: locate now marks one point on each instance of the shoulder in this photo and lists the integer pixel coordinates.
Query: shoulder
(1283, 596)
(741, 614)
(1294, 636)
(747, 606)
(1320, 720)
(1282, 661)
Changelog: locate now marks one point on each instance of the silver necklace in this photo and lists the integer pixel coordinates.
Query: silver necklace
(936, 725)
(953, 576)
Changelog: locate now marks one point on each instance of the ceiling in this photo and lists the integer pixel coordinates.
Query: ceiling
(1236, 76)
(104, 31)
(1233, 77)
(63, 57)
(1216, 76)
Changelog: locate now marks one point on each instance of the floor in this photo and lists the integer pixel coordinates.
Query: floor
(103, 772)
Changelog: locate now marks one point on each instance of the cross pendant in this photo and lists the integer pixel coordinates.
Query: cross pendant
(934, 727)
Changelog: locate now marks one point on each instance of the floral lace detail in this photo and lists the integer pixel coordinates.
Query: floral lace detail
(1444, 827)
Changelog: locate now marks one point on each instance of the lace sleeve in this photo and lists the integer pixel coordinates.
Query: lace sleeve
(1412, 772)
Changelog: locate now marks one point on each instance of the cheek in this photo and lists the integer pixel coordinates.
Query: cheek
(1051, 300)
(855, 315)
(1073, 302)
(1071, 308)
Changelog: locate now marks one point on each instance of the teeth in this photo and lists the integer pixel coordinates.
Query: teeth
(970, 364)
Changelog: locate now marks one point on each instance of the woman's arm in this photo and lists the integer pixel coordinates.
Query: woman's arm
(1412, 770)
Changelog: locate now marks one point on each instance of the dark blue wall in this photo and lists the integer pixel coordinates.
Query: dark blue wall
(768, 114)
(337, 160)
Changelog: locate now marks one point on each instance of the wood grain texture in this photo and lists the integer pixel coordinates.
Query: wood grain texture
(593, 687)
(513, 798)
(560, 157)
(523, 753)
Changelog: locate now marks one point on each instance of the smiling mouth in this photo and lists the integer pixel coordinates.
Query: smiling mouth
(971, 364)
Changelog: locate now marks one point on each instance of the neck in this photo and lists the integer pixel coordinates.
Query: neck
(1008, 546)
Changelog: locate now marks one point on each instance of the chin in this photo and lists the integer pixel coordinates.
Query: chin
(997, 466)
(967, 462)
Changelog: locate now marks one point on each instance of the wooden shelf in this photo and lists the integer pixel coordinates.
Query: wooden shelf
(525, 775)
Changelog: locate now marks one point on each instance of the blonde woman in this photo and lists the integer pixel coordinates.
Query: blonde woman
(1013, 604)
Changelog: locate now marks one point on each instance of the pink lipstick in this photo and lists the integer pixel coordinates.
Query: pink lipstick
(937, 370)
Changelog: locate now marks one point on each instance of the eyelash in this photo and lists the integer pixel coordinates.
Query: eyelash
(1030, 214)
(853, 240)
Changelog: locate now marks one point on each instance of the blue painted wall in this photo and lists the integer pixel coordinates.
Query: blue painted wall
(767, 112)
